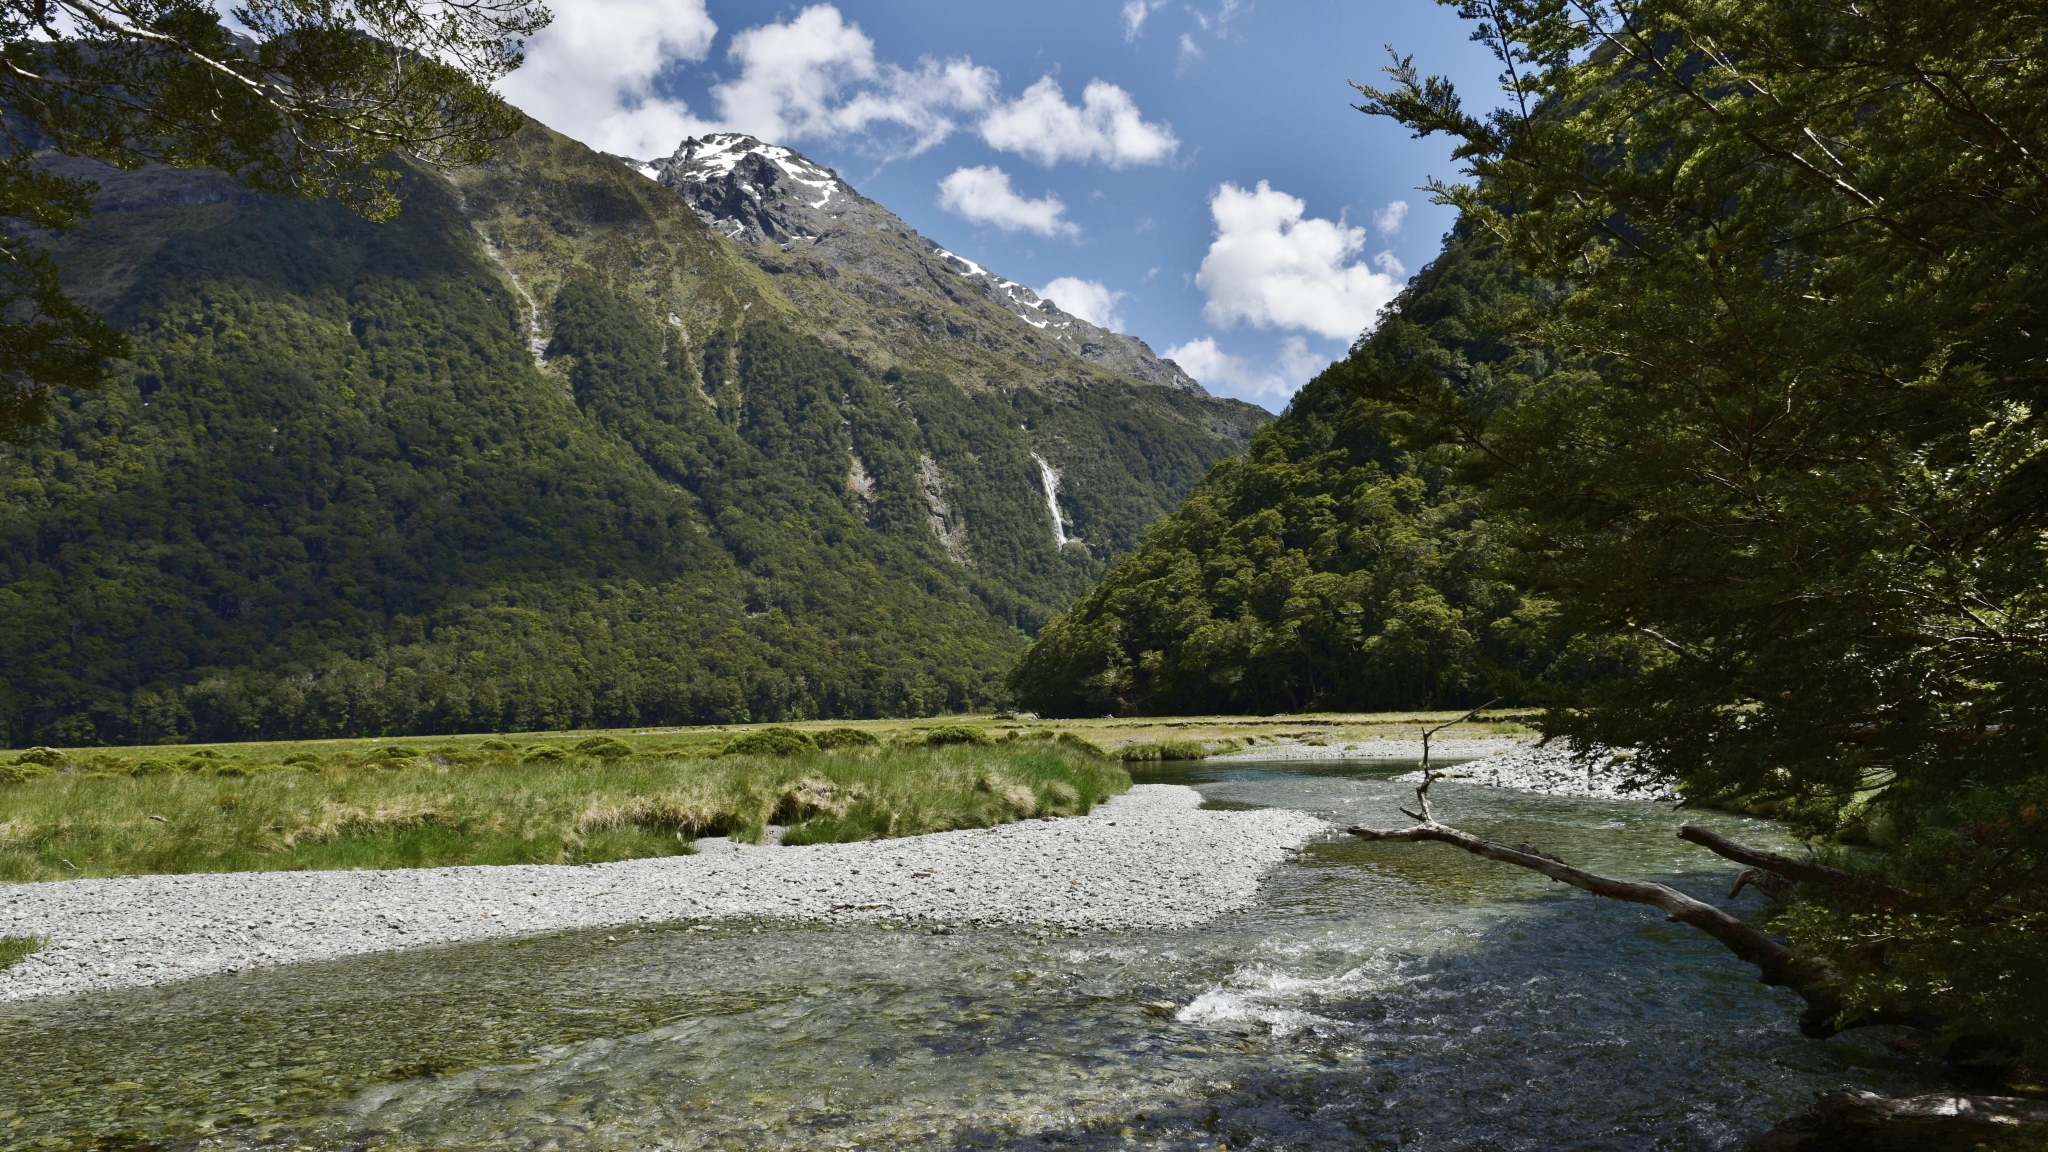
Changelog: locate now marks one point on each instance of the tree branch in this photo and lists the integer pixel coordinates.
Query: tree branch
(1779, 963)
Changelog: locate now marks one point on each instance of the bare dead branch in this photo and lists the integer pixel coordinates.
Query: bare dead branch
(1428, 777)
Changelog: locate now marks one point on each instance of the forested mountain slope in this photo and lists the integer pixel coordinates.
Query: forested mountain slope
(1323, 569)
(546, 450)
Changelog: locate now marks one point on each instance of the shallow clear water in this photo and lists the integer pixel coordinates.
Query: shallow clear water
(1377, 996)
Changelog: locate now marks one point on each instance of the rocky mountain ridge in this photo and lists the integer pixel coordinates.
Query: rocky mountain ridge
(759, 194)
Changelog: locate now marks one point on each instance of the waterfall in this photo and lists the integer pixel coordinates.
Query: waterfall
(1051, 479)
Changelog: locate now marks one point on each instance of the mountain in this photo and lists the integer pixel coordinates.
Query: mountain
(564, 444)
(764, 195)
(1323, 569)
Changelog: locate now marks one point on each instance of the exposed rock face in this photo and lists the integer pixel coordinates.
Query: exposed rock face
(761, 194)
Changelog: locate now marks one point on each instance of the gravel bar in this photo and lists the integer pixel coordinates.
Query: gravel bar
(1150, 858)
(1519, 763)
(1553, 771)
(1448, 748)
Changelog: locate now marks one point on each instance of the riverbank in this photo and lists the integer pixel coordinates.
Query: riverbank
(591, 802)
(1149, 858)
(1518, 763)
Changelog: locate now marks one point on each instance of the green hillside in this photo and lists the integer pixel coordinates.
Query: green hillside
(339, 492)
(1324, 569)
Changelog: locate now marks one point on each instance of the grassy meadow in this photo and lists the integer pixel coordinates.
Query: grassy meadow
(580, 797)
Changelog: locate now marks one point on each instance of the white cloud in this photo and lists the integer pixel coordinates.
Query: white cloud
(1211, 366)
(1390, 264)
(1387, 221)
(984, 196)
(1106, 126)
(1190, 52)
(817, 76)
(1271, 268)
(1091, 300)
(1135, 12)
(591, 73)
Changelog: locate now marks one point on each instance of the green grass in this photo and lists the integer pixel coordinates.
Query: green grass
(494, 802)
(15, 949)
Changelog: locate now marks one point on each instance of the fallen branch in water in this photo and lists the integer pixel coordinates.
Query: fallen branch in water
(1780, 964)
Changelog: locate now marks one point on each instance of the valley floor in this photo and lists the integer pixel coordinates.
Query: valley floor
(1149, 858)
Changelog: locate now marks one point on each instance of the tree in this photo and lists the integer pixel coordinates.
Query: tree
(312, 105)
(1786, 458)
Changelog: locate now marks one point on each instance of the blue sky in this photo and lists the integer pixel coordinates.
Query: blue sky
(1192, 173)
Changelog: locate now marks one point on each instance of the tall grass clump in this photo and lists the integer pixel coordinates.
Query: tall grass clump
(413, 805)
(15, 949)
(1164, 750)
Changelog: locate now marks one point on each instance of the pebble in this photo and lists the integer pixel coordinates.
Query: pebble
(1151, 858)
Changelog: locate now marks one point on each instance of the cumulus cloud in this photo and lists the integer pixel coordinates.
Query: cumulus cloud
(1211, 366)
(984, 196)
(1387, 221)
(595, 73)
(1135, 12)
(817, 76)
(1091, 300)
(1106, 126)
(1272, 267)
(592, 72)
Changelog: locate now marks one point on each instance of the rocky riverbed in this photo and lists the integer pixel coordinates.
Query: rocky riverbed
(1152, 858)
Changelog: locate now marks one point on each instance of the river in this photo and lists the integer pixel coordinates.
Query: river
(1376, 996)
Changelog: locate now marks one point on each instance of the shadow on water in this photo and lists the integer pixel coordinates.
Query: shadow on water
(1375, 996)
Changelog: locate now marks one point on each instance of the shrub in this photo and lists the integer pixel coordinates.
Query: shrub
(1080, 745)
(301, 758)
(604, 748)
(834, 738)
(19, 772)
(777, 741)
(1164, 750)
(543, 754)
(152, 768)
(41, 757)
(946, 734)
(498, 746)
(809, 797)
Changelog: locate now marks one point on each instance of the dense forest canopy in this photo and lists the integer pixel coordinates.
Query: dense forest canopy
(313, 101)
(1326, 568)
(1760, 449)
(334, 493)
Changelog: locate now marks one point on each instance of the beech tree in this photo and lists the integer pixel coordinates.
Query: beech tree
(311, 101)
(1775, 444)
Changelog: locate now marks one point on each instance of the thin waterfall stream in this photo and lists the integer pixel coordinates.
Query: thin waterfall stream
(1049, 478)
(1375, 996)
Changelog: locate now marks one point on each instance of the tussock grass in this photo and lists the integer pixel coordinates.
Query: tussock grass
(413, 806)
(15, 949)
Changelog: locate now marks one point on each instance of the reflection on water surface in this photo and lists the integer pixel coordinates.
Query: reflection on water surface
(1378, 996)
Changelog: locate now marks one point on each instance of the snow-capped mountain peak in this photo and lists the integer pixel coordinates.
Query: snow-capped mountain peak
(757, 194)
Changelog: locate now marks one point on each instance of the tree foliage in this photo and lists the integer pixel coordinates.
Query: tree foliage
(1795, 459)
(1325, 568)
(333, 494)
(312, 106)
